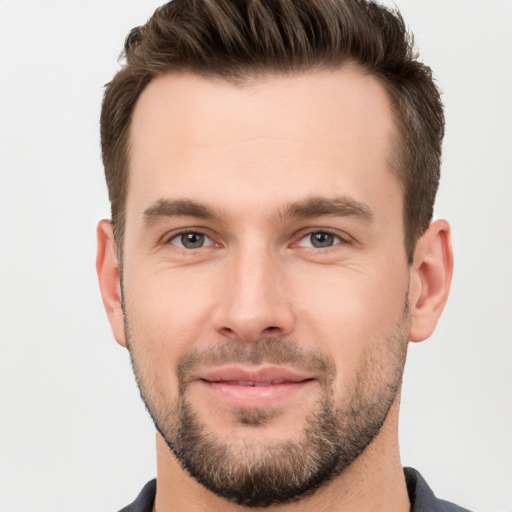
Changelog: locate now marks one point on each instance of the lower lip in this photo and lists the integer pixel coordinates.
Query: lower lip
(255, 396)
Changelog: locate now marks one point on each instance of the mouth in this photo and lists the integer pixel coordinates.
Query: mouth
(253, 383)
(254, 388)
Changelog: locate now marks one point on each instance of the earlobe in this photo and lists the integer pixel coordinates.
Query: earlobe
(107, 268)
(431, 275)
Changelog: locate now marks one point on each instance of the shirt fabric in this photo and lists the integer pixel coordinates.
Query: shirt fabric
(420, 495)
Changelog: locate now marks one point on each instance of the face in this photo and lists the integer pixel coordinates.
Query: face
(264, 276)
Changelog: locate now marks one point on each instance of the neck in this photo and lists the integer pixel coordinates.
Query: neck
(375, 481)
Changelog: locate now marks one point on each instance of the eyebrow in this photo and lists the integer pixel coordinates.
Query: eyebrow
(177, 208)
(343, 206)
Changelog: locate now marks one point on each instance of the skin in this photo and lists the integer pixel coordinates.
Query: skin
(247, 153)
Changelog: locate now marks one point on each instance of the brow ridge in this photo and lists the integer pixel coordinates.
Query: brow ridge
(163, 208)
(342, 206)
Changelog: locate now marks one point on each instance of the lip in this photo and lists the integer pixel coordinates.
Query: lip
(253, 388)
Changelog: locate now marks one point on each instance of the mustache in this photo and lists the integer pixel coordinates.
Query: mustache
(266, 351)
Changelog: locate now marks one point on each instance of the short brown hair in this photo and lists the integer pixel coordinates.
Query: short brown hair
(240, 40)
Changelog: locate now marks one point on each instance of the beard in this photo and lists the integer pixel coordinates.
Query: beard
(335, 433)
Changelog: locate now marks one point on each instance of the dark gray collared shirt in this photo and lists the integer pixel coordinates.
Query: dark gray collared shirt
(422, 498)
(420, 495)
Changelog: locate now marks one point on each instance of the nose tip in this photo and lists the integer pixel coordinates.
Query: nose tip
(254, 303)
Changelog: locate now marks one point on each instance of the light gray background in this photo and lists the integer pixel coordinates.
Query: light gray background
(74, 434)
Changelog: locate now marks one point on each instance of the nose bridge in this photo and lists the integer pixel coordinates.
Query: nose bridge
(254, 300)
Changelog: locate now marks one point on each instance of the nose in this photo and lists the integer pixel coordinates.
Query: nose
(254, 301)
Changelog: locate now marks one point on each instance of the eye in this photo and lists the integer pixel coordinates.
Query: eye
(191, 240)
(319, 240)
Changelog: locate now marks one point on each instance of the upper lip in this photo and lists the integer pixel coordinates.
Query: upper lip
(261, 375)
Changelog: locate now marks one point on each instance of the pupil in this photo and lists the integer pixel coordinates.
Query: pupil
(192, 240)
(322, 239)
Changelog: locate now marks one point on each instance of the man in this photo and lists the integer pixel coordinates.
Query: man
(272, 169)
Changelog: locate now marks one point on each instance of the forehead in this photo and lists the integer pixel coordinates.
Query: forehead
(269, 139)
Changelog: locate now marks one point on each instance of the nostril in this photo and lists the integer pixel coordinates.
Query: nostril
(227, 331)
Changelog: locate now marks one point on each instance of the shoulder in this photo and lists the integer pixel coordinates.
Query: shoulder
(420, 494)
(144, 501)
(422, 497)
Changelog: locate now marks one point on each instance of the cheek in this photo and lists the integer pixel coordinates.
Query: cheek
(167, 312)
(349, 313)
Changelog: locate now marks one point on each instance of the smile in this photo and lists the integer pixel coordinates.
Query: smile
(264, 387)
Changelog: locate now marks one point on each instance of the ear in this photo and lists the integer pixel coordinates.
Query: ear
(107, 267)
(431, 275)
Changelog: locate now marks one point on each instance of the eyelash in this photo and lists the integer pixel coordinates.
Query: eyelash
(339, 239)
(182, 232)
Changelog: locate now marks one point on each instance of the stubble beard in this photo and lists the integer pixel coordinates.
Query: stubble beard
(336, 432)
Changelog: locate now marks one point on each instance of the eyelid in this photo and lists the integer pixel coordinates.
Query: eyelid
(168, 238)
(341, 236)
